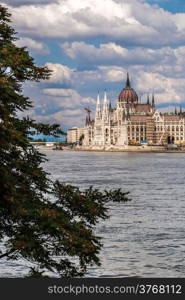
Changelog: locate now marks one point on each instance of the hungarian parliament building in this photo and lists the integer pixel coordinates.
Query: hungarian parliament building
(131, 122)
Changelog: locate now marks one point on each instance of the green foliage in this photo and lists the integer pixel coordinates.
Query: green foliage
(81, 139)
(46, 223)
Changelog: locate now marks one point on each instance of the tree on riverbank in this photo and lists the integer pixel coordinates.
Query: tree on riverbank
(46, 223)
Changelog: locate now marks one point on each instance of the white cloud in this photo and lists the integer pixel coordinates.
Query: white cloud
(155, 60)
(73, 95)
(60, 73)
(69, 97)
(60, 92)
(34, 46)
(167, 90)
(112, 53)
(132, 21)
(70, 112)
(64, 97)
(112, 73)
(65, 118)
(64, 106)
(167, 109)
(111, 61)
(179, 20)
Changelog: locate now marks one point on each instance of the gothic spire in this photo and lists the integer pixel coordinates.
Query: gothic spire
(98, 108)
(105, 97)
(105, 106)
(148, 99)
(98, 100)
(110, 106)
(86, 121)
(153, 100)
(128, 81)
(175, 110)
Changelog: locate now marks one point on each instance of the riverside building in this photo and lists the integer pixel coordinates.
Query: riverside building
(74, 134)
(131, 122)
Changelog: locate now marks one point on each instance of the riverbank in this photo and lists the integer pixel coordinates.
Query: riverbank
(129, 148)
(135, 149)
(131, 151)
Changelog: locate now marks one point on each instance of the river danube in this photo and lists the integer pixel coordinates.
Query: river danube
(144, 237)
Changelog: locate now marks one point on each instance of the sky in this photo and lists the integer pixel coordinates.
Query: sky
(90, 45)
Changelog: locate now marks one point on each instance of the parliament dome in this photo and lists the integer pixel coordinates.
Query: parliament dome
(128, 94)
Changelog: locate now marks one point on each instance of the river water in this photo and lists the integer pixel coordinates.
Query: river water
(144, 237)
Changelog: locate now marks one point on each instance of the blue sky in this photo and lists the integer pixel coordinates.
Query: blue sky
(91, 44)
(174, 6)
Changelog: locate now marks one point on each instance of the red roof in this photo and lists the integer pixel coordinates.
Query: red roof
(143, 108)
(139, 118)
(128, 95)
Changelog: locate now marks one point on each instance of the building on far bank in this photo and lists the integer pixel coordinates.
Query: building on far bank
(130, 122)
(74, 134)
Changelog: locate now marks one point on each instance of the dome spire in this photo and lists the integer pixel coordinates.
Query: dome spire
(128, 81)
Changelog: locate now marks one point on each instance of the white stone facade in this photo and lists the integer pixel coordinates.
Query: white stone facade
(108, 131)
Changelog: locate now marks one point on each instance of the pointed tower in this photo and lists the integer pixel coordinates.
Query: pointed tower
(175, 110)
(98, 108)
(105, 113)
(86, 121)
(127, 81)
(110, 106)
(148, 99)
(180, 110)
(153, 101)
